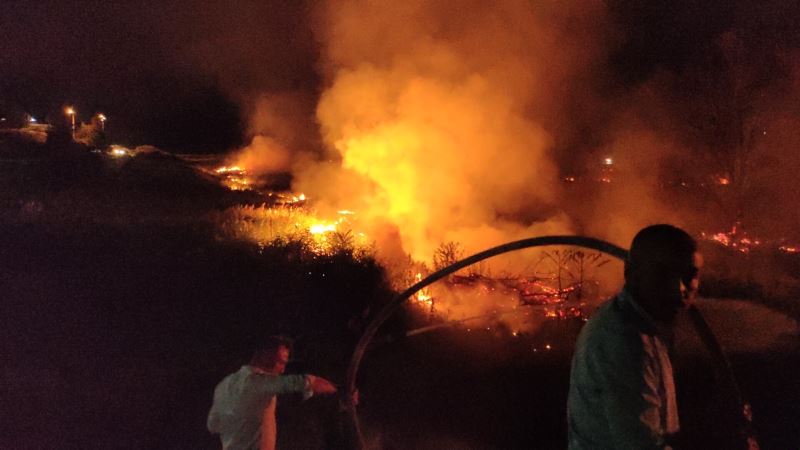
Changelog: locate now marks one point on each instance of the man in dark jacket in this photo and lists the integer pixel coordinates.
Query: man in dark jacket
(622, 393)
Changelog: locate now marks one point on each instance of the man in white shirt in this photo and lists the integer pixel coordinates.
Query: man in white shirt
(622, 393)
(243, 413)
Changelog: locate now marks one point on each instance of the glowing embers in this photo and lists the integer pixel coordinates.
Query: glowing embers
(539, 292)
(234, 177)
(734, 238)
(741, 241)
(514, 304)
(569, 312)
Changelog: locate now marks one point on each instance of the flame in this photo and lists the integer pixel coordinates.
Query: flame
(234, 177)
(232, 169)
(322, 228)
(289, 218)
(423, 296)
(402, 140)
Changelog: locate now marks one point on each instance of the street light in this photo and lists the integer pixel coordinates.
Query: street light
(102, 117)
(70, 111)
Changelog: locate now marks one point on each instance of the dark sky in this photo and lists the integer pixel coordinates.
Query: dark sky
(179, 73)
(153, 67)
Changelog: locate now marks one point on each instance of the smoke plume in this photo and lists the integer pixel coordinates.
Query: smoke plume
(441, 121)
(436, 113)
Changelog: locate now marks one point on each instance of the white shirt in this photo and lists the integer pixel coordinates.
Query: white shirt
(243, 413)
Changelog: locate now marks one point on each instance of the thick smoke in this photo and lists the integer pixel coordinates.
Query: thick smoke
(441, 121)
(436, 113)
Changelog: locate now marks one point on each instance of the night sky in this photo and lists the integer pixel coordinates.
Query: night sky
(178, 73)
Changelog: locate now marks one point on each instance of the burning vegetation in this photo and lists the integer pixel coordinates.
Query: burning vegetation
(288, 219)
(740, 240)
(558, 284)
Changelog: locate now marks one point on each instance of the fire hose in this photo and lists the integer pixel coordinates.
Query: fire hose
(698, 321)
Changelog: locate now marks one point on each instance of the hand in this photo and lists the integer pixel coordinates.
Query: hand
(320, 385)
(353, 398)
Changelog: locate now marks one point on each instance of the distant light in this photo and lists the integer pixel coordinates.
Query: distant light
(32, 119)
(102, 117)
(608, 161)
(118, 150)
(70, 111)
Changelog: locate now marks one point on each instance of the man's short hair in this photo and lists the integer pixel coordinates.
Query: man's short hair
(268, 347)
(661, 244)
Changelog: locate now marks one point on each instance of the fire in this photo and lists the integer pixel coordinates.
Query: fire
(285, 216)
(232, 169)
(423, 296)
(722, 238)
(742, 242)
(234, 177)
(402, 140)
(322, 228)
(288, 218)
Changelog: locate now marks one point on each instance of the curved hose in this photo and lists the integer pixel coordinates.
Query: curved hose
(391, 307)
(697, 319)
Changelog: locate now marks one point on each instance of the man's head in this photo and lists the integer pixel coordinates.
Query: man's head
(662, 270)
(272, 354)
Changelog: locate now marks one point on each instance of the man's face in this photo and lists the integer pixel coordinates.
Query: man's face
(665, 289)
(279, 362)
